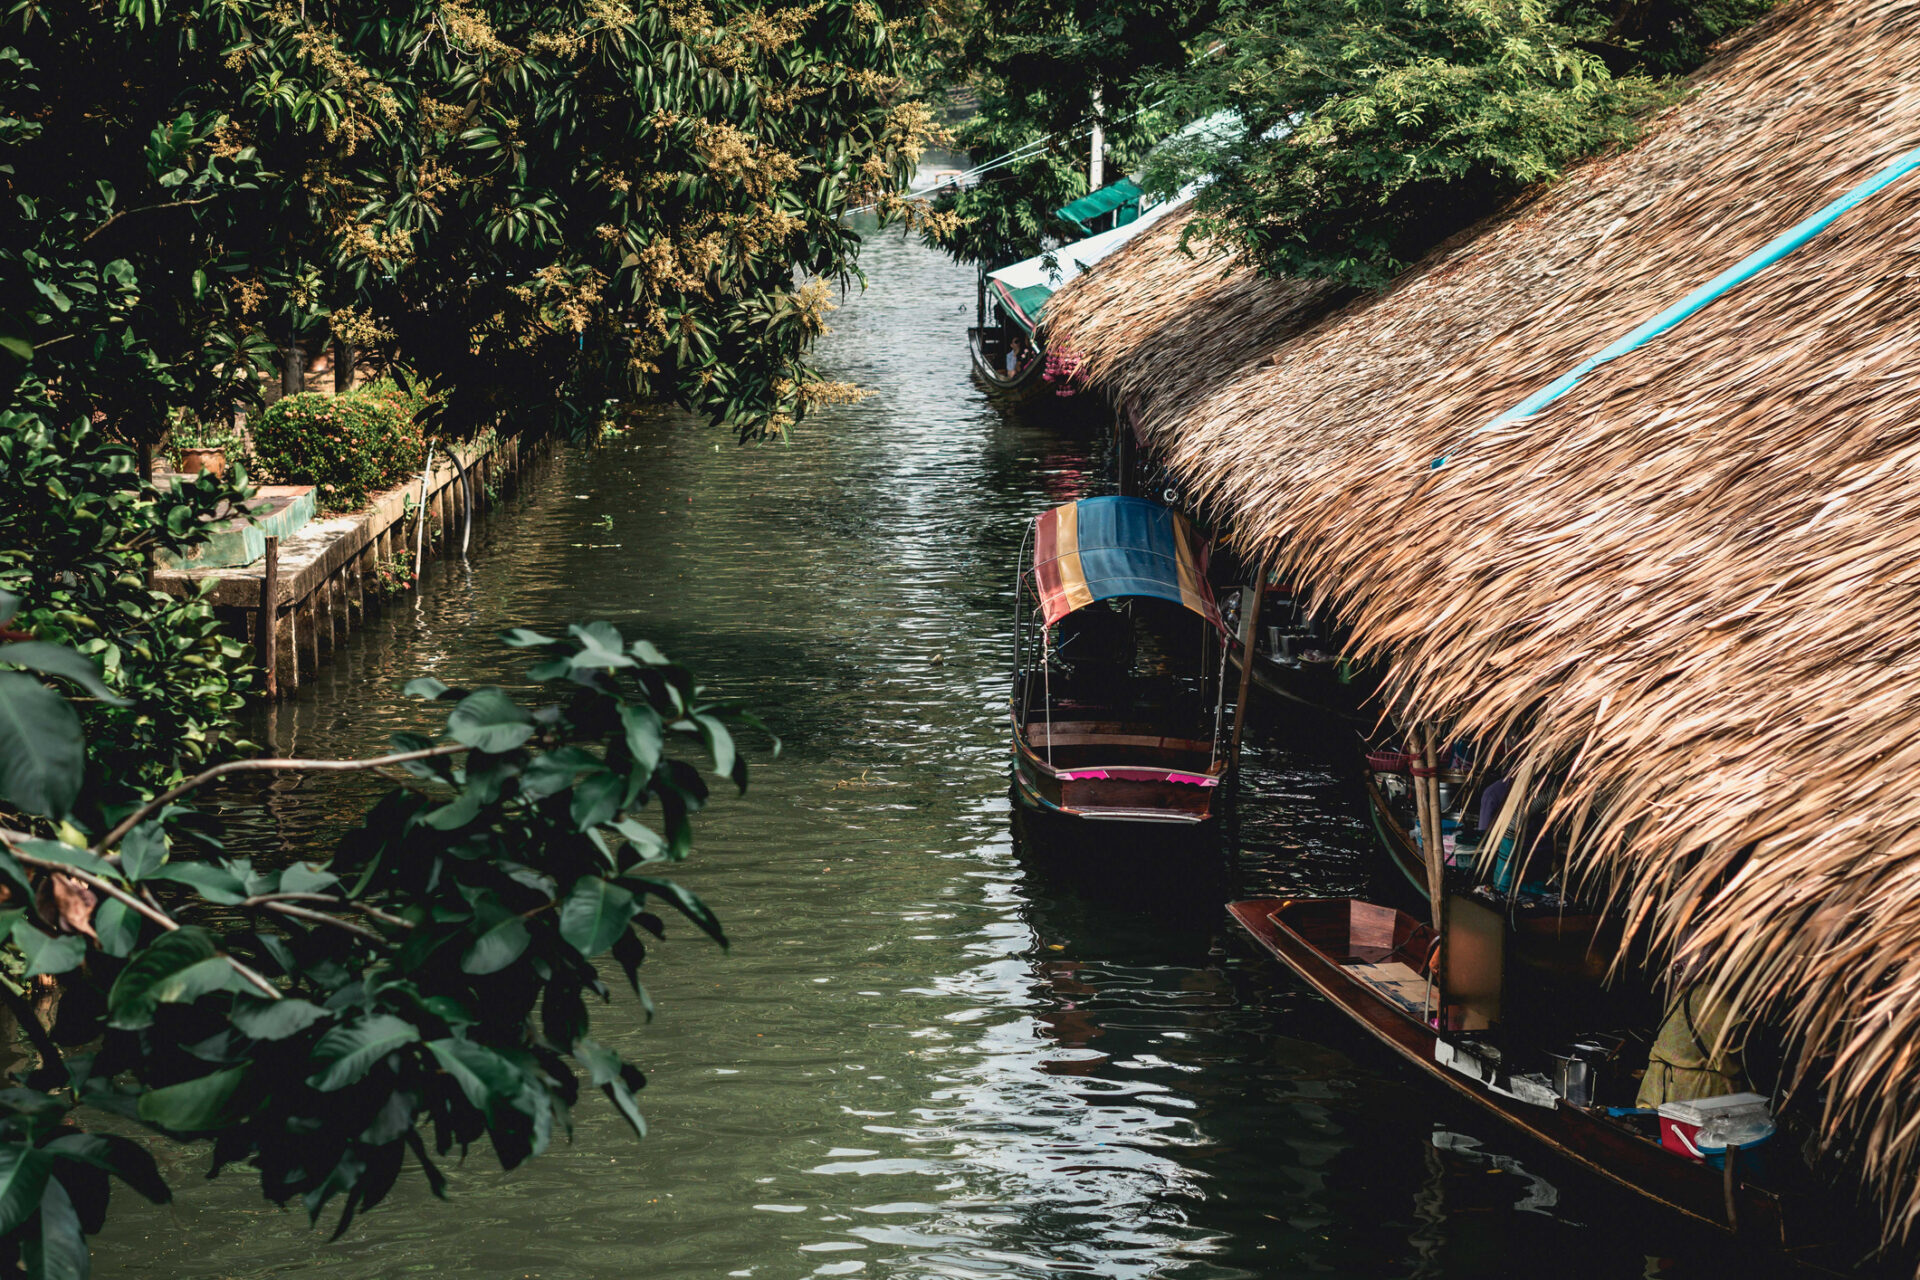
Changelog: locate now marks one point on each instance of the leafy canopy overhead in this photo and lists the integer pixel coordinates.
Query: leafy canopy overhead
(542, 207)
(1373, 129)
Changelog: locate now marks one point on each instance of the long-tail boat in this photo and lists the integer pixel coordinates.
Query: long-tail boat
(1379, 966)
(1119, 646)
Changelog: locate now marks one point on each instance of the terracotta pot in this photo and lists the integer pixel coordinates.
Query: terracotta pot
(195, 460)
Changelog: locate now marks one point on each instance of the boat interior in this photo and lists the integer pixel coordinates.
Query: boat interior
(1113, 691)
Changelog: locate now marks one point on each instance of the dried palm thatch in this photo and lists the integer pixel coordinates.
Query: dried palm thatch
(1691, 587)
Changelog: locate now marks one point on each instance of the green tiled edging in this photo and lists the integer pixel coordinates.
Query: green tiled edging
(278, 512)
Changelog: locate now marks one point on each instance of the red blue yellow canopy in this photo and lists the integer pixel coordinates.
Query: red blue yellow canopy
(1099, 548)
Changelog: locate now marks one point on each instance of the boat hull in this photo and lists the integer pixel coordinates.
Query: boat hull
(1113, 793)
(1601, 1146)
(991, 374)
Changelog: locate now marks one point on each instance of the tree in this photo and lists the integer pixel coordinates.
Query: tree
(1045, 69)
(310, 1020)
(538, 207)
(1371, 132)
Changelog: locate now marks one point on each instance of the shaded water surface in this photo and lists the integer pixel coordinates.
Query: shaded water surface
(936, 1049)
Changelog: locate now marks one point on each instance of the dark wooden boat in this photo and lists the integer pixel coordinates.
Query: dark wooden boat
(1117, 698)
(989, 348)
(1375, 964)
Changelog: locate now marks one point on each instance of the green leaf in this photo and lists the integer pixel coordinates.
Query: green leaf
(23, 1175)
(274, 1019)
(59, 1250)
(304, 877)
(69, 856)
(424, 687)
(42, 753)
(689, 906)
(622, 1099)
(647, 842)
(595, 914)
(196, 1106)
(602, 1063)
(487, 720)
(484, 1076)
(521, 638)
(131, 1002)
(122, 1157)
(350, 1051)
(58, 660)
(143, 852)
(497, 948)
(645, 736)
(600, 647)
(596, 800)
(118, 927)
(215, 883)
(719, 742)
(47, 953)
(551, 772)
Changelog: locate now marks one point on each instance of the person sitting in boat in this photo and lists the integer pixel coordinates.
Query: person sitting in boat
(1700, 1051)
(1017, 354)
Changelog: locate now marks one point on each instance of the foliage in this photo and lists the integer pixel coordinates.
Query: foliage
(75, 542)
(1035, 66)
(347, 446)
(312, 1020)
(540, 206)
(1371, 132)
(189, 432)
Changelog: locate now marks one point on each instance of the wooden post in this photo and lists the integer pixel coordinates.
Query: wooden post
(269, 641)
(312, 612)
(1427, 785)
(287, 650)
(1249, 629)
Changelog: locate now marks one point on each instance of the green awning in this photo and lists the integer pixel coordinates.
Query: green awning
(1023, 305)
(1115, 195)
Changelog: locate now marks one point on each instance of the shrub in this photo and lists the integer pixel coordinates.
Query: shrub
(346, 446)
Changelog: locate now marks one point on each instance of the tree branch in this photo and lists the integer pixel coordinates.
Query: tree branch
(165, 798)
(145, 208)
(114, 891)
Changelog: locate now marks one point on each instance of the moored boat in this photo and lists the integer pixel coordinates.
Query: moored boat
(1379, 966)
(1118, 697)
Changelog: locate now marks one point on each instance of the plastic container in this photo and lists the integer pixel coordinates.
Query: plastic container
(1703, 1128)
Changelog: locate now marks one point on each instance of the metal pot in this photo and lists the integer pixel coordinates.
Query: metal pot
(1573, 1076)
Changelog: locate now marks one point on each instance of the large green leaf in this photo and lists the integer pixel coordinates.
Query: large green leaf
(497, 948)
(58, 1251)
(485, 1077)
(58, 660)
(645, 735)
(42, 753)
(274, 1019)
(122, 1157)
(134, 997)
(144, 851)
(23, 1175)
(196, 1106)
(216, 883)
(47, 953)
(595, 914)
(348, 1052)
(488, 720)
(688, 905)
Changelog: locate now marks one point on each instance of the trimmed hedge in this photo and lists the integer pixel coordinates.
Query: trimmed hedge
(347, 446)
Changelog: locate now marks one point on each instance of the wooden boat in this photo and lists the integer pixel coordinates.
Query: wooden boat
(1117, 697)
(1296, 658)
(1375, 964)
(989, 346)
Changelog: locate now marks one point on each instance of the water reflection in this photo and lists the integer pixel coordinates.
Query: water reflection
(941, 1046)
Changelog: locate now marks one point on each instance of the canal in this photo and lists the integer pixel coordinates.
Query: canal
(935, 1049)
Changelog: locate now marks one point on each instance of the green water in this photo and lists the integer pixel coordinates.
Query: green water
(935, 1050)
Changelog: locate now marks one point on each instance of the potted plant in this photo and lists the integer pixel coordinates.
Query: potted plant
(198, 446)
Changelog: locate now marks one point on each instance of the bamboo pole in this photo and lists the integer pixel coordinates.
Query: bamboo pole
(1427, 788)
(1249, 628)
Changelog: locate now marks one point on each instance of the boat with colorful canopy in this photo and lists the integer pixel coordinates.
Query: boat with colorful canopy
(1118, 702)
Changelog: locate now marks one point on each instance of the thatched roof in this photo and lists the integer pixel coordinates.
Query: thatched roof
(1692, 584)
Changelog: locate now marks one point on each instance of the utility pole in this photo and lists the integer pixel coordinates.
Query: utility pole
(1097, 158)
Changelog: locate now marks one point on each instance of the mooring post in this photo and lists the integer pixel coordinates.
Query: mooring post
(1249, 630)
(269, 640)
